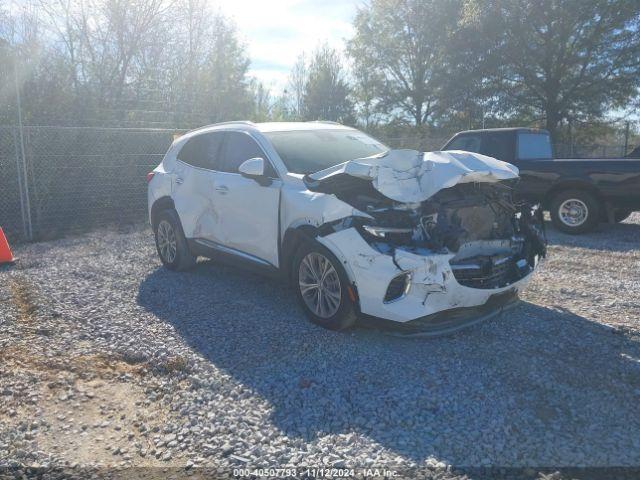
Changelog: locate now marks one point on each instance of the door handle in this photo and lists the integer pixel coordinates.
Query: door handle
(179, 181)
(222, 189)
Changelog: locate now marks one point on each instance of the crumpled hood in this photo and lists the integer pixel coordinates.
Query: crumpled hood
(410, 176)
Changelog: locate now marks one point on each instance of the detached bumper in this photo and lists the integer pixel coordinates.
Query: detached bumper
(433, 287)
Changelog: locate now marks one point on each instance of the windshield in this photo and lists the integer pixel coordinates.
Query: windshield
(308, 151)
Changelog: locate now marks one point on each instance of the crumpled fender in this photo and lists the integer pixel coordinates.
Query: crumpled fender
(315, 209)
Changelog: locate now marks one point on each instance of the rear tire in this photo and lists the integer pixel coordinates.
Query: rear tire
(328, 303)
(575, 211)
(171, 243)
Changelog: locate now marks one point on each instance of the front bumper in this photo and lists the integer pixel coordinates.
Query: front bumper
(449, 321)
(433, 287)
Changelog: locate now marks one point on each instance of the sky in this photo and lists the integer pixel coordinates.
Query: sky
(277, 31)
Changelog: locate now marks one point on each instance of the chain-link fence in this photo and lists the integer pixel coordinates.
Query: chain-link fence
(56, 180)
(12, 213)
(564, 150)
(422, 144)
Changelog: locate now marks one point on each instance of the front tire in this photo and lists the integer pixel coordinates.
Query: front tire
(321, 286)
(575, 211)
(171, 243)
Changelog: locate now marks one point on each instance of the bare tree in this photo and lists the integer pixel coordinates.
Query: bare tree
(297, 81)
(123, 61)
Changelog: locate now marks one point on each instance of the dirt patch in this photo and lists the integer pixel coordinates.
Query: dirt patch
(83, 409)
(105, 428)
(24, 298)
(97, 365)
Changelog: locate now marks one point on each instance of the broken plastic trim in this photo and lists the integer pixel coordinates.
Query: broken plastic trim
(383, 231)
(398, 288)
(477, 226)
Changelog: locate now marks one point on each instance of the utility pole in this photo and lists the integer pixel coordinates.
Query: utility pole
(626, 138)
(25, 192)
(570, 137)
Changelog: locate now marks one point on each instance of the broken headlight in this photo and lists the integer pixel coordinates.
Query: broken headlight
(385, 232)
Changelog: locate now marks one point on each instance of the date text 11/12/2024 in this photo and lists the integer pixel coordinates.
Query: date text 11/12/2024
(309, 472)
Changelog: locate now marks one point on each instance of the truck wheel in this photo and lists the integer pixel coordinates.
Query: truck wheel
(171, 243)
(575, 211)
(621, 215)
(321, 287)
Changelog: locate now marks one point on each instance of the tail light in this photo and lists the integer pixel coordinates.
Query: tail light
(150, 176)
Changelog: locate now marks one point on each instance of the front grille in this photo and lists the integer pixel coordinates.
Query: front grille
(397, 288)
(485, 272)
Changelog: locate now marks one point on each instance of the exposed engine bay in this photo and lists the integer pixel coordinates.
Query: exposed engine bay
(492, 239)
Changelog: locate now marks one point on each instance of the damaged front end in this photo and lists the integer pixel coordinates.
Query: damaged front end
(434, 232)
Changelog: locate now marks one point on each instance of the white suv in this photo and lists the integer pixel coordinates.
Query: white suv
(432, 241)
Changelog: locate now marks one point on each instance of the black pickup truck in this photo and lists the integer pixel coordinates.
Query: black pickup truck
(579, 193)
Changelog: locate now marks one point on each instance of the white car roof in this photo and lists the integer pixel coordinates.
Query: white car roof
(271, 126)
(288, 126)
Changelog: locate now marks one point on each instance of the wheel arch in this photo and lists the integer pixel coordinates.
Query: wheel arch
(161, 204)
(291, 241)
(574, 184)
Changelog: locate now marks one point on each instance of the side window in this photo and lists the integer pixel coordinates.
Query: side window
(498, 145)
(534, 146)
(202, 150)
(468, 143)
(239, 147)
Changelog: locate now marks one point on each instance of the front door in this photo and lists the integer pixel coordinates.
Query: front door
(248, 211)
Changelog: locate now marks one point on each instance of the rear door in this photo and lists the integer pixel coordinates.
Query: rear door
(248, 211)
(193, 185)
(500, 145)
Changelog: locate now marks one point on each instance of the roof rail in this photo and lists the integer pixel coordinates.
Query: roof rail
(232, 122)
(330, 122)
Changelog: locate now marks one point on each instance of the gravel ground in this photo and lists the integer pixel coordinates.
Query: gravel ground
(107, 359)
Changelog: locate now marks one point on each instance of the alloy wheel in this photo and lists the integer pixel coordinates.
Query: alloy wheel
(167, 243)
(319, 285)
(573, 212)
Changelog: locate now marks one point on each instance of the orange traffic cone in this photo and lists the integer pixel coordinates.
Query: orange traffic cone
(5, 252)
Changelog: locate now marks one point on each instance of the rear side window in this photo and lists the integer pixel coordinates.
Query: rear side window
(239, 147)
(468, 143)
(202, 151)
(532, 146)
(498, 145)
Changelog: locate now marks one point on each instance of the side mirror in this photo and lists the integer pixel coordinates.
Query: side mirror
(254, 169)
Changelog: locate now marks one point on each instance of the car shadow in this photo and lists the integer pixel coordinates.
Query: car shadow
(535, 376)
(619, 237)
